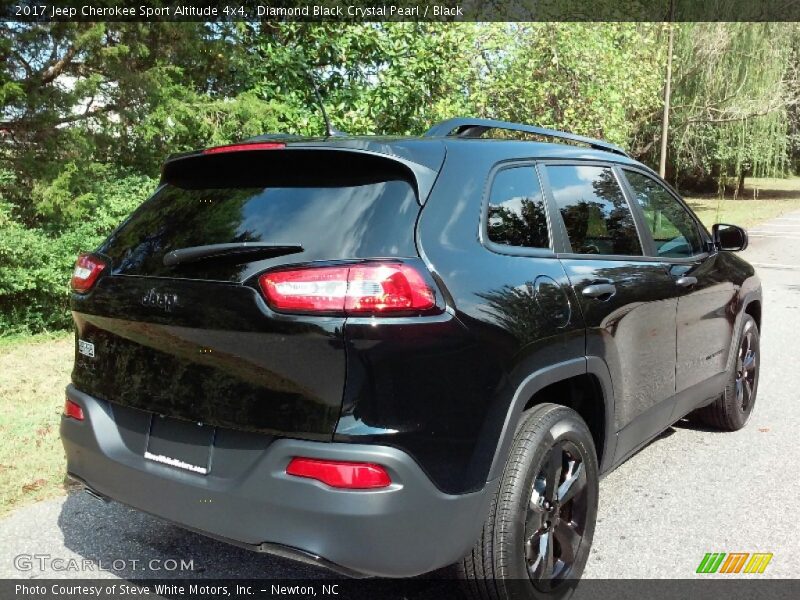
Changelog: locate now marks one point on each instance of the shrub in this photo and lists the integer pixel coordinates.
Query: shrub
(72, 213)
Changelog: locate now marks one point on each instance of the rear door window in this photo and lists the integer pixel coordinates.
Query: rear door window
(592, 205)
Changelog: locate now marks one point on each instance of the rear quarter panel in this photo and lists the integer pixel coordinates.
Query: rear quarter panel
(459, 375)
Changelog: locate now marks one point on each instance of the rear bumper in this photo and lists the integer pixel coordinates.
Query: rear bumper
(406, 529)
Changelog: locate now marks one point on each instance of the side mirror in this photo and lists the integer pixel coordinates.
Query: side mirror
(729, 237)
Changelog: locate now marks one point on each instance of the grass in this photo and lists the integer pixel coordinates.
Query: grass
(7, 341)
(33, 374)
(763, 199)
(35, 369)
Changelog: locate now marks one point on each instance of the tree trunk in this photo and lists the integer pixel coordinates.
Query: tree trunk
(662, 163)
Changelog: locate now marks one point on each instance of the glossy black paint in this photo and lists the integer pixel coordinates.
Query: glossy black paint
(219, 356)
(444, 388)
(634, 331)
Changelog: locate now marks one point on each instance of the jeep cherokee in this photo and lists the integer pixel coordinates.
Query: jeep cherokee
(389, 355)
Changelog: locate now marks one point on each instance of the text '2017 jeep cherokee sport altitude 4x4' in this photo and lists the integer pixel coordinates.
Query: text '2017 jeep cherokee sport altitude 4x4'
(389, 355)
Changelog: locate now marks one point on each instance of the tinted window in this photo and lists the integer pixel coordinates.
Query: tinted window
(351, 220)
(516, 209)
(673, 229)
(597, 218)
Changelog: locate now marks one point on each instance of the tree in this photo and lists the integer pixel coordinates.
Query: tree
(729, 113)
(574, 76)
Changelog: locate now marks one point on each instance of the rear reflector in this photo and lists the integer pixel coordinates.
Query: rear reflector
(340, 474)
(370, 288)
(87, 269)
(244, 147)
(73, 410)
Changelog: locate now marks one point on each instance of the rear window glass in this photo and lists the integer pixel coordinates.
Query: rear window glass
(358, 220)
(516, 209)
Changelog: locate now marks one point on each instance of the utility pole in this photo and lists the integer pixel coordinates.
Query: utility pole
(662, 163)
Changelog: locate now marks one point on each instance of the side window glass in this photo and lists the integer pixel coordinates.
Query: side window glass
(673, 229)
(516, 209)
(597, 217)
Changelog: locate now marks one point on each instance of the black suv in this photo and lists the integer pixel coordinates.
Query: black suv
(388, 355)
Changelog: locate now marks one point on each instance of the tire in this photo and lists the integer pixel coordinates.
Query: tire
(528, 512)
(732, 410)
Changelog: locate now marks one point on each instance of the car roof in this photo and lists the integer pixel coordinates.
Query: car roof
(427, 150)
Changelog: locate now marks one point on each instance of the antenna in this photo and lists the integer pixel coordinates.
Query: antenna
(329, 130)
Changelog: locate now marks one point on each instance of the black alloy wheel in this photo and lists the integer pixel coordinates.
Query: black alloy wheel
(732, 410)
(556, 517)
(746, 370)
(538, 533)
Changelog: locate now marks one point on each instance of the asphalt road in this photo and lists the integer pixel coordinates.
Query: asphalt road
(689, 492)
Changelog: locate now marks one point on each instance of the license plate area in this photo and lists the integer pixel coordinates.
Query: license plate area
(181, 444)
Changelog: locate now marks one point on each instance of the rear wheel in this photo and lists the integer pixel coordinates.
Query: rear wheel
(539, 530)
(732, 410)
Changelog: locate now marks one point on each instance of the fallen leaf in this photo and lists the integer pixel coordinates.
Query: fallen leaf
(36, 485)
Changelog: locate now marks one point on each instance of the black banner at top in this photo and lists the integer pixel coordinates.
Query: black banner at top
(400, 10)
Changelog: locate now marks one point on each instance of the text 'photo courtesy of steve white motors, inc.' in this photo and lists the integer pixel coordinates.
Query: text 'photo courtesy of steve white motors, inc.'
(238, 11)
(166, 589)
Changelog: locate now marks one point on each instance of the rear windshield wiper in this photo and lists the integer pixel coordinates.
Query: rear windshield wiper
(242, 251)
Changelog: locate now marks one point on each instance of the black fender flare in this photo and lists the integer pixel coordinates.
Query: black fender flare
(754, 295)
(540, 379)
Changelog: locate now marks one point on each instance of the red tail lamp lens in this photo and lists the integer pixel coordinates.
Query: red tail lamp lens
(244, 147)
(307, 290)
(87, 269)
(340, 474)
(73, 410)
(370, 288)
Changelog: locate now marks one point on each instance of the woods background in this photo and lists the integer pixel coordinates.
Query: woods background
(89, 111)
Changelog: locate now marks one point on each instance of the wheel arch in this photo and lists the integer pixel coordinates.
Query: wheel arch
(753, 308)
(538, 382)
(750, 304)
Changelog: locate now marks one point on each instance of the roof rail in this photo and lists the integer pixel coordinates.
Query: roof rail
(466, 127)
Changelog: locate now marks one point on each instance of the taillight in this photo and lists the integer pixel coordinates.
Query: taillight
(340, 474)
(87, 269)
(370, 288)
(73, 410)
(245, 147)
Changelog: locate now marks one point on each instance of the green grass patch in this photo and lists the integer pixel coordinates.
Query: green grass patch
(33, 374)
(763, 199)
(14, 340)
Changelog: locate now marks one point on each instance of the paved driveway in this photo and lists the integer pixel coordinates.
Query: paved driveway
(689, 492)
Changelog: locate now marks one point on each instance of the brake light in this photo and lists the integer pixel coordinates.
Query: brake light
(340, 474)
(73, 410)
(245, 147)
(87, 269)
(371, 288)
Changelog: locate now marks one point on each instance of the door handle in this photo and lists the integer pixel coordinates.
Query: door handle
(686, 281)
(599, 290)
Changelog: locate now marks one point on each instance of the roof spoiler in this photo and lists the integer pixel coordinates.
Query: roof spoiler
(465, 127)
(200, 168)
